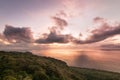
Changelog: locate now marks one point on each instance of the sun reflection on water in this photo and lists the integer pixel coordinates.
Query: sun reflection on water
(97, 59)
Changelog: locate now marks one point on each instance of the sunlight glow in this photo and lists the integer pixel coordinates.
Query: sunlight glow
(5, 42)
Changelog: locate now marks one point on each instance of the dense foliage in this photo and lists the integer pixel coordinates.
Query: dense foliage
(26, 66)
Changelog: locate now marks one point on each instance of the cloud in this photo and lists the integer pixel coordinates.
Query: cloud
(1, 37)
(3, 40)
(105, 31)
(110, 47)
(18, 34)
(73, 7)
(59, 22)
(62, 13)
(99, 19)
(54, 35)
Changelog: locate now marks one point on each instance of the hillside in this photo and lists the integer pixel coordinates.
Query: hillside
(26, 66)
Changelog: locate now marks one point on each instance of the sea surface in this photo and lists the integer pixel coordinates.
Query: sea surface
(95, 59)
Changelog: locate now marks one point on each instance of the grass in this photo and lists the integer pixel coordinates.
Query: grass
(26, 66)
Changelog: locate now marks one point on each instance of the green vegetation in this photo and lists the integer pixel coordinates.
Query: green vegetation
(92, 74)
(26, 66)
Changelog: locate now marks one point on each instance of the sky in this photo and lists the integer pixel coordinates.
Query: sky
(60, 22)
(64, 29)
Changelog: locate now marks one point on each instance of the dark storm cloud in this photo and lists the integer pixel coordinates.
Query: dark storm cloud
(18, 34)
(105, 31)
